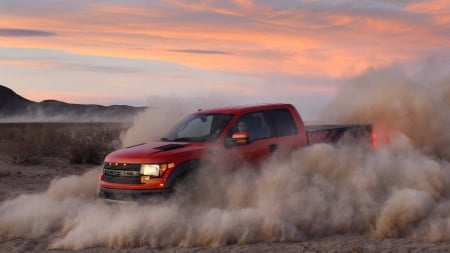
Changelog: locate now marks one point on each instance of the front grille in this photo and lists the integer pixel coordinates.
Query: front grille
(122, 173)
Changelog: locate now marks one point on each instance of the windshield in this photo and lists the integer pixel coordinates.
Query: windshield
(199, 128)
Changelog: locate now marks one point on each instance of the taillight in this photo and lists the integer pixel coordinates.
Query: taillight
(375, 143)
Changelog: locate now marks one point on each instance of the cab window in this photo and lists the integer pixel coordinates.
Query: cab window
(255, 124)
(283, 122)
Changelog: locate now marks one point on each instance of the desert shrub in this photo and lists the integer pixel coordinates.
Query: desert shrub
(29, 143)
(90, 145)
(34, 143)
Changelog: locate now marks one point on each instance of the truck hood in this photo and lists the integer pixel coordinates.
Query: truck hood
(142, 152)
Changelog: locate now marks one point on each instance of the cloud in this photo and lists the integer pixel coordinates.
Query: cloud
(99, 68)
(197, 51)
(6, 32)
(313, 39)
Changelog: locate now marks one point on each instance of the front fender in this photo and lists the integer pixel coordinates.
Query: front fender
(182, 170)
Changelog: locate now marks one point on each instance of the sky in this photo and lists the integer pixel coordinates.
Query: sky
(128, 52)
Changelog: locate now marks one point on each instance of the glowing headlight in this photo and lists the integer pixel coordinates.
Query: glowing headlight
(153, 170)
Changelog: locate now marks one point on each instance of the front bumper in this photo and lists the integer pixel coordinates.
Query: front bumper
(130, 195)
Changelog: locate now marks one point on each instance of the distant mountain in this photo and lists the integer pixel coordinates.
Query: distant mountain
(12, 103)
(14, 107)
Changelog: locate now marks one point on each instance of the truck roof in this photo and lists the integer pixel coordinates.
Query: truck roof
(244, 108)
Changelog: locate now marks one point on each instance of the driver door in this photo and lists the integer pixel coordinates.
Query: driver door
(260, 142)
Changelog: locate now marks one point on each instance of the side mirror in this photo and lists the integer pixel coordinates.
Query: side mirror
(237, 139)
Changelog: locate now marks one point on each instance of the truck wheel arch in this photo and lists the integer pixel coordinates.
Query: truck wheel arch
(182, 170)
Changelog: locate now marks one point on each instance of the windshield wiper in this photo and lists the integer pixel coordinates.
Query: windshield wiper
(164, 139)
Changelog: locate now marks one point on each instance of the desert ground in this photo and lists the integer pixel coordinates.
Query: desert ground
(36, 159)
(27, 179)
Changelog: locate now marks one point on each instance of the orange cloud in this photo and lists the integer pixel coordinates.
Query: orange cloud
(296, 42)
(439, 10)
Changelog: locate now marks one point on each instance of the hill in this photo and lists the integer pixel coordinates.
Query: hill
(14, 107)
(11, 103)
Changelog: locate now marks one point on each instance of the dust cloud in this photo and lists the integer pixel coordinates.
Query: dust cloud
(416, 106)
(400, 189)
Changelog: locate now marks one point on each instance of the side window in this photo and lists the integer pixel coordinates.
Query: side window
(283, 122)
(254, 124)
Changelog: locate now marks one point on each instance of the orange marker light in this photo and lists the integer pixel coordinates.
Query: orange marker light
(145, 179)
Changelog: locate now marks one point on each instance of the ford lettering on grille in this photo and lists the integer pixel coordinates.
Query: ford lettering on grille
(120, 173)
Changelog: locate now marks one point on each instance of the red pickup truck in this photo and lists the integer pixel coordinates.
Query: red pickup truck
(252, 132)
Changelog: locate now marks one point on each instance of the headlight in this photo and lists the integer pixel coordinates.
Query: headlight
(153, 170)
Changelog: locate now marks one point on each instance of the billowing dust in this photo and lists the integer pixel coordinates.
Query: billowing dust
(400, 189)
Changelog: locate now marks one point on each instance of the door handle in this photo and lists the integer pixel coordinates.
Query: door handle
(273, 147)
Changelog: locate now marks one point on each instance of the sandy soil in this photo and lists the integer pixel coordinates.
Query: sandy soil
(18, 179)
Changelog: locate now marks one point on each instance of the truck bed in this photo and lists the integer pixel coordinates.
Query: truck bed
(330, 133)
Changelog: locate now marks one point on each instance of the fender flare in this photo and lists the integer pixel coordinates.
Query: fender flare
(183, 170)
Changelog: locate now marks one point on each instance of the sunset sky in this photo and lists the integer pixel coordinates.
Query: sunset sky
(127, 52)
